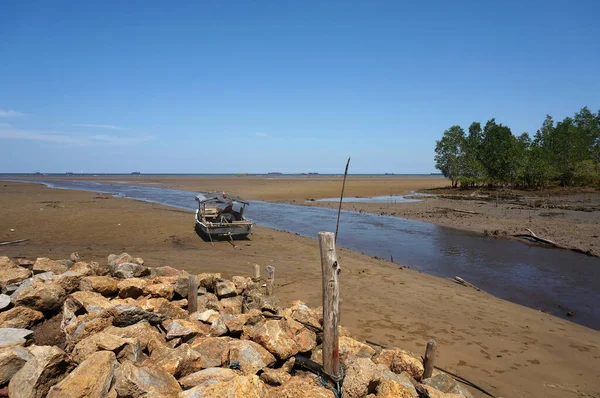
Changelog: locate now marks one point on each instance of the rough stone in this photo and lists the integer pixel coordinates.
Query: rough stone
(82, 268)
(6, 263)
(129, 270)
(399, 361)
(446, 384)
(181, 328)
(209, 375)
(40, 296)
(105, 285)
(208, 281)
(179, 361)
(260, 303)
(132, 287)
(435, 393)
(390, 389)
(241, 283)
(49, 365)
(92, 302)
(165, 271)
(301, 387)
(44, 264)
(116, 259)
(238, 387)
(13, 337)
(141, 331)
(125, 315)
(86, 325)
(349, 345)
(22, 262)
(218, 328)
(359, 373)
(208, 302)
(275, 377)
(181, 284)
(232, 305)
(214, 351)
(236, 323)
(12, 275)
(144, 381)
(11, 361)
(20, 317)
(165, 290)
(92, 378)
(75, 257)
(283, 338)
(69, 281)
(4, 302)
(208, 316)
(249, 355)
(224, 288)
(97, 342)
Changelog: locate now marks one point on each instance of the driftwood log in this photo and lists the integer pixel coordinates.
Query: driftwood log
(532, 237)
(461, 281)
(12, 242)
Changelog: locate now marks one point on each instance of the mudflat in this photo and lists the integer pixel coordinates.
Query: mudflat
(508, 349)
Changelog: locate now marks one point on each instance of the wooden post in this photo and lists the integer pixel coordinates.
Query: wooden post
(256, 273)
(270, 280)
(331, 305)
(192, 296)
(429, 359)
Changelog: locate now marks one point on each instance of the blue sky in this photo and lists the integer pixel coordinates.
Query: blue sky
(291, 86)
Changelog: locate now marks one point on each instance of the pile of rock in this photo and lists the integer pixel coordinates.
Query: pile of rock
(126, 332)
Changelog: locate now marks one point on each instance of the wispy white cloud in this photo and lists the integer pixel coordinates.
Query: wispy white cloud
(262, 135)
(70, 139)
(10, 113)
(101, 126)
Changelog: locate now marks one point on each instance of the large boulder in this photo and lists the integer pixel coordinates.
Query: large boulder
(208, 316)
(209, 301)
(125, 315)
(141, 331)
(178, 362)
(239, 387)
(117, 259)
(162, 306)
(208, 375)
(104, 341)
(249, 356)
(11, 361)
(390, 389)
(275, 377)
(446, 384)
(399, 361)
(214, 351)
(105, 285)
(144, 381)
(232, 305)
(359, 373)
(6, 263)
(12, 275)
(41, 296)
(208, 281)
(301, 387)
(48, 366)
(165, 271)
(183, 328)
(44, 264)
(93, 303)
(85, 325)
(13, 337)
(225, 288)
(129, 270)
(283, 338)
(92, 378)
(132, 287)
(164, 289)
(69, 281)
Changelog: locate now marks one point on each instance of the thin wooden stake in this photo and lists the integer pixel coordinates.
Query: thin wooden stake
(192, 294)
(256, 273)
(337, 224)
(331, 306)
(429, 359)
(270, 280)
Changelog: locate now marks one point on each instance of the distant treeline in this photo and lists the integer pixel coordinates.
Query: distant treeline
(565, 153)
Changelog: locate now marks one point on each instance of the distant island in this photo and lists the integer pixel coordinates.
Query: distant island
(135, 173)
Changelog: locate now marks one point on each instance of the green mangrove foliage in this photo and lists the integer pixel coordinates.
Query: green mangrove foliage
(565, 153)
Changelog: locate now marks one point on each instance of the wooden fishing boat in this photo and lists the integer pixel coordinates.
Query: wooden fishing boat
(220, 215)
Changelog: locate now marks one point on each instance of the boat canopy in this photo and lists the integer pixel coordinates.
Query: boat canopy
(220, 197)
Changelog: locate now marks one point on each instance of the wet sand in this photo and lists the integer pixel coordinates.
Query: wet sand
(511, 350)
(566, 217)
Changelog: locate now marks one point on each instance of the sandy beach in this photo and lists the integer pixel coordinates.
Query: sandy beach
(511, 350)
